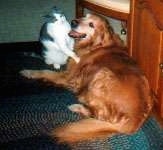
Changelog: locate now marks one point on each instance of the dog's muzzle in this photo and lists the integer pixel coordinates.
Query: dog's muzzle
(73, 33)
(76, 35)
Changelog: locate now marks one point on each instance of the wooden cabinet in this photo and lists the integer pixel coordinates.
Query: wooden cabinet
(147, 43)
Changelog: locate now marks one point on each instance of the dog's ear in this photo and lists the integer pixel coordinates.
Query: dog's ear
(111, 30)
(115, 37)
(106, 33)
(118, 41)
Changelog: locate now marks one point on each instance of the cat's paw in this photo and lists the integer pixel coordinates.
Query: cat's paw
(77, 59)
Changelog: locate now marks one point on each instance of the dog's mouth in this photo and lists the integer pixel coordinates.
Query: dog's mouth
(76, 35)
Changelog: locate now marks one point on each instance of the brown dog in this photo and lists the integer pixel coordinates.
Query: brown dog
(114, 93)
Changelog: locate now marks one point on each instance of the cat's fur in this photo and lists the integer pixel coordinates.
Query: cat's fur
(57, 45)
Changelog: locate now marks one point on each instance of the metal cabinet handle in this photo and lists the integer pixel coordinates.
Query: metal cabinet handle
(161, 68)
(161, 65)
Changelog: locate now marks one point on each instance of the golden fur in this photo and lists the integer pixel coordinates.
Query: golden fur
(113, 92)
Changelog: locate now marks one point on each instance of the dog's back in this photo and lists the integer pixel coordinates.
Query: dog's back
(115, 91)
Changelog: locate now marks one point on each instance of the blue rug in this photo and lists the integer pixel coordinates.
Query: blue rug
(25, 120)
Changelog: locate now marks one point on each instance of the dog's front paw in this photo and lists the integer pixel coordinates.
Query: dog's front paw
(27, 73)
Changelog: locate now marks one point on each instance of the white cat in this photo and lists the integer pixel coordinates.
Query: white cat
(57, 45)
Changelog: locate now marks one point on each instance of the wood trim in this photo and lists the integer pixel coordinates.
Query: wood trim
(99, 9)
(79, 9)
(160, 96)
(130, 26)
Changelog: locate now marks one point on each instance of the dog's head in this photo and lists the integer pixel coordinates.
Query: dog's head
(91, 31)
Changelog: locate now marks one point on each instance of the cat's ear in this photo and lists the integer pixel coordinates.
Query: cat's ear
(54, 8)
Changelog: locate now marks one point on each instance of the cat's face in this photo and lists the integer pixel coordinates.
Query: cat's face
(59, 17)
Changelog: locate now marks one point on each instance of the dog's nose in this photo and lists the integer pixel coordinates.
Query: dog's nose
(74, 23)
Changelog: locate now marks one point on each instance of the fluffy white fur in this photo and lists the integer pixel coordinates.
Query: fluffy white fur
(60, 46)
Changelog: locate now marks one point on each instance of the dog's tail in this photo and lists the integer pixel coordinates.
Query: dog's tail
(83, 130)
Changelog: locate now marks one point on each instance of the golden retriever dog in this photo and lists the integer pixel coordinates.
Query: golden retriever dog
(114, 94)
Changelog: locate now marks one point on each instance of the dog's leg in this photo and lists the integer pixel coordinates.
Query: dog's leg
(46, 75)
(80, 109)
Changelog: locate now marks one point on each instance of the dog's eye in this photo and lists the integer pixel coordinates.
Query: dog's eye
(91, 25)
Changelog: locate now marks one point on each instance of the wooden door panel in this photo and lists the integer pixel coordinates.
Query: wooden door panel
(156, 8)
(147, 43)
(147, 46)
